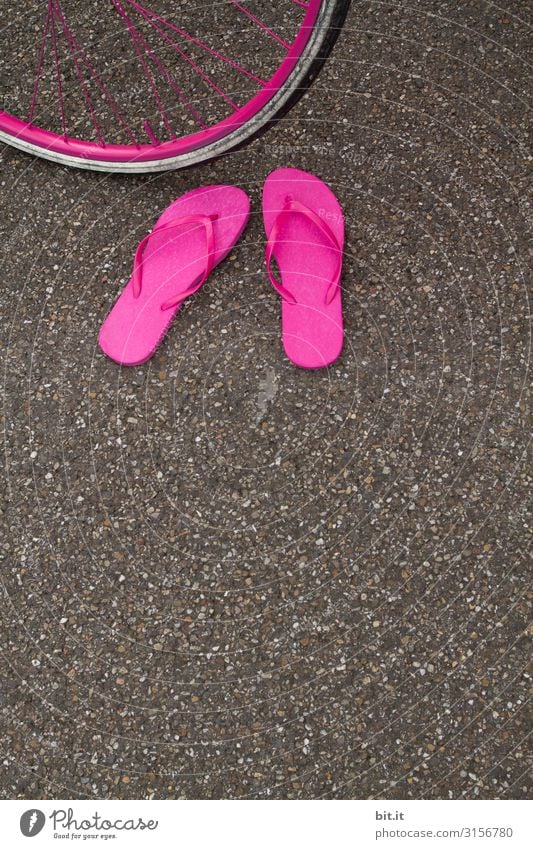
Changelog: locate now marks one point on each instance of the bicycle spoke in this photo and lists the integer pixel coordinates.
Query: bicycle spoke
(187, 58)
(171, 82)
(40, 60)
(75, 51)
(260, 24)
(137, 41)
(57, 64)
(198, 43)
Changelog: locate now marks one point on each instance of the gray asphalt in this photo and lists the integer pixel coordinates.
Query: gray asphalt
(223, 576)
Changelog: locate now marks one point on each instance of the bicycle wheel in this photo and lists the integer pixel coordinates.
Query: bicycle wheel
(140, 89)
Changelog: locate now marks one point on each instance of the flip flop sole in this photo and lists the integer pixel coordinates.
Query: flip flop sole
(172, 261)
(312, 330)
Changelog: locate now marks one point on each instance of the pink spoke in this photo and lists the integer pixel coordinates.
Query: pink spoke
(300, 3)
(260, 24)
(187, 58)
(172, 83)
(150, 133)
(136, 38)
(58, 74)
(40, 61)
(146, 13)
(75, 51)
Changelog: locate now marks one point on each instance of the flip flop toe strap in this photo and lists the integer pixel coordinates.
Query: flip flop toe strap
(206, 221)
(293, 206)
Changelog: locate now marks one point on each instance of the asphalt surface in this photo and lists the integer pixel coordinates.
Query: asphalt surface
(223, 576)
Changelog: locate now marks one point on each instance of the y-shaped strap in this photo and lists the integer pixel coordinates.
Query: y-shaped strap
(295, 206)
(207, 222)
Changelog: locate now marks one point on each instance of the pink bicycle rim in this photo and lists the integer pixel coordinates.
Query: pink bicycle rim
(46, 140)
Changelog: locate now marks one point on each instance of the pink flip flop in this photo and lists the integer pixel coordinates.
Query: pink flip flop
(305, 229)
(191, 237)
